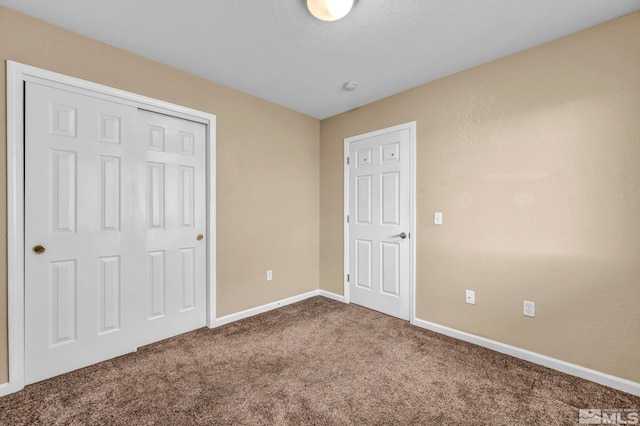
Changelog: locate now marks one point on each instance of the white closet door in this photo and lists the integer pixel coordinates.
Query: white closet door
(114, 202)
(77, 162)
(173, 200)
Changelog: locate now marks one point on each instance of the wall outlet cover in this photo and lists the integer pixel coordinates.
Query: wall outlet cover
(529, 308)
(470, 297)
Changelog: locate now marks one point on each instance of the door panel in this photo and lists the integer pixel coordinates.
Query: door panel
(390, 203)
(157, 284)
(175, 202)
(109, 294)
(390, 274)
(73, 207)
(187, 279)
(63, 191)
(109, 183)
(363, 197)
(363, 262)
(62, 302)
(379, 205)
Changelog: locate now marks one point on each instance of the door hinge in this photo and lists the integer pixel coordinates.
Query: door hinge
(347, 277)
(347, 161)
(347, 218)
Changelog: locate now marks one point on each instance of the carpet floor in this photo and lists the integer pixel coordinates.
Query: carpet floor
(316, 362)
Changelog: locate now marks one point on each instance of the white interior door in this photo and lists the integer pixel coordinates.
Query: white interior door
(111, 256)
(379, 222)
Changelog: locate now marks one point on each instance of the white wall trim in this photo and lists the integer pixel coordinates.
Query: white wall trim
(330, 295)
(264, 308)
(345, 223)
(17, 75)
(15, 229)
(411, 126)
(275, 305)
(536, 358)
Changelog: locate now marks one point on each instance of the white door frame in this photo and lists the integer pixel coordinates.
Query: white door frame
(17, 75)
(411, 126)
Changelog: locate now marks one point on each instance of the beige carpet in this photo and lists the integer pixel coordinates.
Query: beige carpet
(317, 362)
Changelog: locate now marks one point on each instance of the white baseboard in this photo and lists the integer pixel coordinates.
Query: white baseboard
(264, 308)
(274, 305)
(330, 295)
(10, 387)
(565, 367)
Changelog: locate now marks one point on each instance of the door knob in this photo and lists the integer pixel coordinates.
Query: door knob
(199, 237)
(38, 249)
(402, 235)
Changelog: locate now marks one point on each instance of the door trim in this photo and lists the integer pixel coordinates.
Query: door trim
(17, 75)
(411, 126)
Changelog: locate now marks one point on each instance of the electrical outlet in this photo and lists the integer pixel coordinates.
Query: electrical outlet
(269, 275)
(470, 297)
(529, 309)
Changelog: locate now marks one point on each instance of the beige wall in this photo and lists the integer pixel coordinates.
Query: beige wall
(267, 167)
(535, 162)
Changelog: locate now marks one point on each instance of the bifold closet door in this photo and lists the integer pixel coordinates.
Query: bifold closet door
(102, 275)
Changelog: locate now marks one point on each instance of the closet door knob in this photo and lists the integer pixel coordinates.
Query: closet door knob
(39, 249)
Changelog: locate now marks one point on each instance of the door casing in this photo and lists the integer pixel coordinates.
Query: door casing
(411, 126)
(17, 75)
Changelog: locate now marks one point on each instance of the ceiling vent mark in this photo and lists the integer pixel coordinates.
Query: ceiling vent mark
(349, 86)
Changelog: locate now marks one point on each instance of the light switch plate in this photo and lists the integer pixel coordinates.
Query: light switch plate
(437, 218)
(470, 297)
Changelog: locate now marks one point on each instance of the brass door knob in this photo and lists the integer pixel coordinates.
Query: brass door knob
(38, 249)
(199, 237)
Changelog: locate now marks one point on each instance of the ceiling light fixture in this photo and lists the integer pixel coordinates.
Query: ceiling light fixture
(329, 10)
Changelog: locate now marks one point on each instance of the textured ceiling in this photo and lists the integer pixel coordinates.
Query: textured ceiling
(276, 50)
